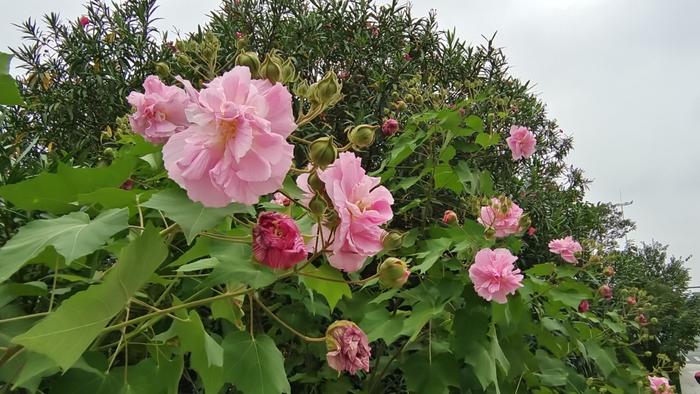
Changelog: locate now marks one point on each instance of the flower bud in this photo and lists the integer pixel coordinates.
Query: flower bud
(647, 354)
(317, 206)
(594, 259)
(362, 136)
(316, 184)
(328, 89)
(392, 240)
(289, 73)
(605, 291)
(524, 222)
(400, 105)
(302, 89)
(654, 320)
(531, 231)
(631, 300)
(608, 271)
(450, 217)
(642, 320)
(393, 272)
(271, 68)
(162, 69)
(390, 127)
(250, 60)
(323, 152)
(584, 306)
(84, 21)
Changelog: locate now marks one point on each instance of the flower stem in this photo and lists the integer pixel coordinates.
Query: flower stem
(287, 326)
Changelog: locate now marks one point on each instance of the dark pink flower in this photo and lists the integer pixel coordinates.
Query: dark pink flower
(348, 347)
(407, 57)
(531, 231)
(127, 185)
(642, 319)
(390, 127)
(240, 35)
(277, 241)
(605, 291)
(450, 217)
(84, 21)
(495, 275)
(584, 306)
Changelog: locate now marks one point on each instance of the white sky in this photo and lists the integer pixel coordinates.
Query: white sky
(618, 75)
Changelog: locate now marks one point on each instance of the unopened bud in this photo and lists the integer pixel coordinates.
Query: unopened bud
(362, 136)
(271, 68)
(594, 259)
(317, 206)
(392, 240)
(400, 105)
(608, 271)
(450, 217)
(654, 320)
(250, 60)
(605, 291)
(328, 89)
(393, 272)
(302, 89)
(390, 127)
(289, 73)
(316, 184)
(323, 151)
(631, 300)
(647, 354)
(162, 69)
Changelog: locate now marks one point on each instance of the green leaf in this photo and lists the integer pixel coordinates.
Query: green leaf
(332, 290)
(113, 197)
(446, 178)
(542, 269)
(158, 375)
(603, 358)
(432, 250)
(73, 236)
(192, 217)
(486, 183)
(66, 333)
(236, 265)
(254, 365)
(201, 264)
(380, 324)
(487, 139)
(57, 192)
(10, 291)
(475, 123)
(434, 376)
(448, 153)
(9, 94)
(552, 370)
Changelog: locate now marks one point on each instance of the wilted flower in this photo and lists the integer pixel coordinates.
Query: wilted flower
(280, 199)
(494, 274)
(450, 217)
(566, 248)
(659, 385)
(605, 291)
(521, 142)
(348, 347)
(584, 306)
(236, 149)
(502, 215)
(160, 110)
(277, 241)
(642, 319)
(407, 57)
(393, 272)
(390, 127)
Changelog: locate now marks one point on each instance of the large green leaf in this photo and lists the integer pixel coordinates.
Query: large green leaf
(424, 375)
(332, 289)
(72, 236)
(66, 333)
(192, 217)
(9, 94)
(56, 192)
(236, 265)
(254, 365)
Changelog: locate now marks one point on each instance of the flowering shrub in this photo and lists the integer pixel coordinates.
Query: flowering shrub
(253, 245)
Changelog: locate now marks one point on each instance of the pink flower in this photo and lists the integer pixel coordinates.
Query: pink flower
(494, 274)
(605, 291)
(584, 306)
(390, 127)
(631, 300)
(502, 215)
(277, 241)
(450, 217)
(281, 199)
(362, 206)
(240, 35)
(659, 385)
(521, 142)
(236, 149)
(531, 231)
(84, 21)
(348, 348)
(566, 248)
(160, 110)
(407, 57)
(127, 185)
(642, 319)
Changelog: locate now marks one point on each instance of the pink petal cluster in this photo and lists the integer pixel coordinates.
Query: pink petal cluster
(659, 385)
(566, 248)
(160, 110)
(235, 149)
(605, 291)
(348, 347)
(521, 142)
(494, 274)
(277, 241)
(280, 199)
(390, 127)
(584, 306)
(362, 206)
(502, 215)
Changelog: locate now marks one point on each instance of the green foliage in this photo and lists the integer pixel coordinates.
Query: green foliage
(9, 95)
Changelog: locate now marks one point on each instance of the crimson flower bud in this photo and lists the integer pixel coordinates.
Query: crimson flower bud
(605, 291)
(584, 306)
(390, 127)
(450, 217)
(84, 21)
(348, 347)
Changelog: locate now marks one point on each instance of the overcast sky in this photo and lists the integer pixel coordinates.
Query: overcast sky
(620, 76)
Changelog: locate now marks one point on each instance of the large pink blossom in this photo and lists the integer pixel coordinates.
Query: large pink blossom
(348, 348)
(362, 206)
(277, 241)
(494, 274)
(502, 216)
(521, 142)
(566, 248)
(160, 110)
(236, 148)
(659, 385)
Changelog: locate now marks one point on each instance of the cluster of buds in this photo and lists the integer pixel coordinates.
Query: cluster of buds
(207, 50)
(321, 95)
(275, 69)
